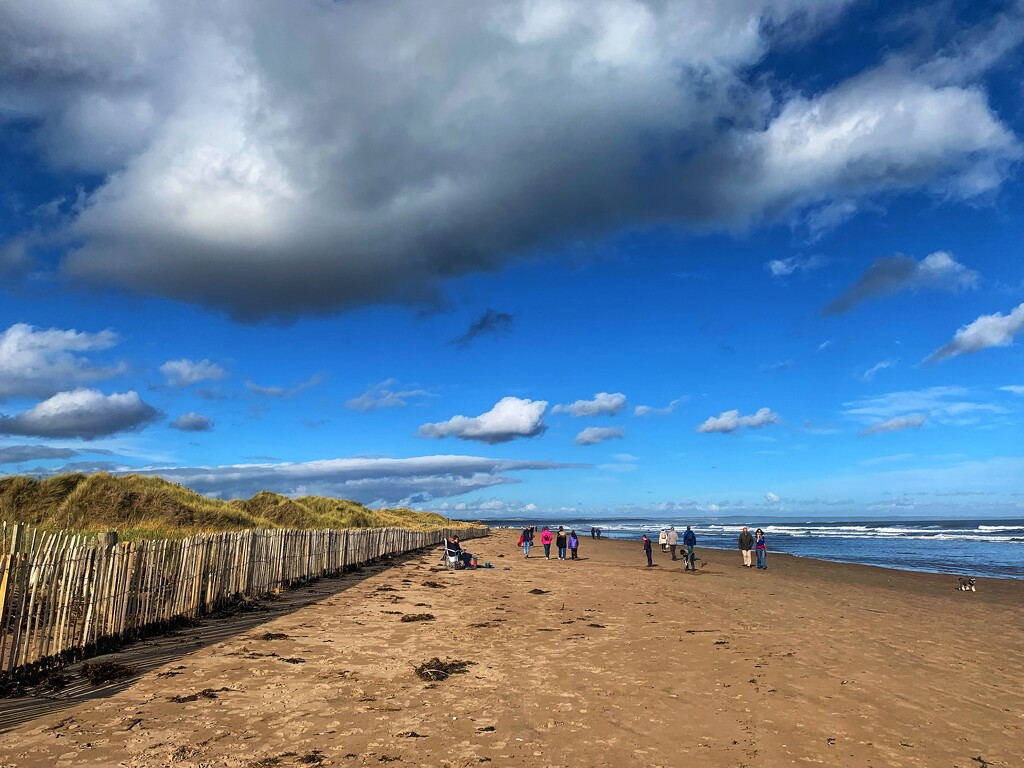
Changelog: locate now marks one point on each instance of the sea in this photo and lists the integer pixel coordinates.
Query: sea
(980, 548)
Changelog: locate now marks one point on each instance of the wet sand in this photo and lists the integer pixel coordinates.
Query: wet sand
(612, 664)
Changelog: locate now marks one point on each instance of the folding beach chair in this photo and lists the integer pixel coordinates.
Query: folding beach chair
(450, 559)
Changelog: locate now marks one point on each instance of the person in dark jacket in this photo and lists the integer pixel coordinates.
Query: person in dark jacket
(746, 544)
(562, 542)
(689, 541)
(647, 551)
(527, 540)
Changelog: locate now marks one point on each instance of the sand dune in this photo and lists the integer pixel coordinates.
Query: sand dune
(611, 664)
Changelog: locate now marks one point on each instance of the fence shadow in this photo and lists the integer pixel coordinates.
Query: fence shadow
(152, 653)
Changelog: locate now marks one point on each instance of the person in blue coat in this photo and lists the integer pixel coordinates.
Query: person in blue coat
(689, 541)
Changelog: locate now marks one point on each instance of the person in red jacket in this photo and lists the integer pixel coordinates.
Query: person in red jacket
(546, 538)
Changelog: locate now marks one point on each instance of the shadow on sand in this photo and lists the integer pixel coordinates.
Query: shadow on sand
(150, 654)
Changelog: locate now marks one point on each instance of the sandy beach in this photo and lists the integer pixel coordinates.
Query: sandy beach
(600, 662)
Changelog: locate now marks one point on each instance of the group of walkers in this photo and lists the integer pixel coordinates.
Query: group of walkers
(669, 541)
(760, 548)
(567, 544)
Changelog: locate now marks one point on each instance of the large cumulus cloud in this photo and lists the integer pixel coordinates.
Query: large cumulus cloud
(277, 159)
(369, 480)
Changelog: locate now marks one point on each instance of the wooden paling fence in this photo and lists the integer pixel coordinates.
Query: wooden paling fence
(66, 596)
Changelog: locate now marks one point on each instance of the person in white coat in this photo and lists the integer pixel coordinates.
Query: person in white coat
(663, 540)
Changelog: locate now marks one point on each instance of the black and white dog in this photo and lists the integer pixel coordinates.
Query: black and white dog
(966, 585)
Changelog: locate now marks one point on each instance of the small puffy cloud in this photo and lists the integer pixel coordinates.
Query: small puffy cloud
(650, 410)
(1014, 389)
(192, 422)
(39, 363)
(892, 274)
(384, 394)
(603, 404)
(84, 413)
(772, 498)
(283, 391)
(987, 331)
(510, 418)
(869, 374)
(17, 454)
(490, 322)
(730, 421)
(595, 435)
(897, 424)
(786, 267)
(182, 373)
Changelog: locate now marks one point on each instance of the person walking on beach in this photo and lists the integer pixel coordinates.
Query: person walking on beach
(593, 532)
(561, 540)
(689, 541)
(746, 542)
(663, 540)
(762, 550)
(546, 539)
(527, 539)
(673, 541)
(574, 544)
(647, 551)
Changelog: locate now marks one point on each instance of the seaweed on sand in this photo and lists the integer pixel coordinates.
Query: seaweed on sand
(434, 669)
(101, 672)
(418, 617)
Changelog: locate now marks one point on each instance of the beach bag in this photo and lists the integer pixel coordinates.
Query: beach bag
(520, 542)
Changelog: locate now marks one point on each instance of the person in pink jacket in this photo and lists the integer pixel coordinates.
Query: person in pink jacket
(546, 537)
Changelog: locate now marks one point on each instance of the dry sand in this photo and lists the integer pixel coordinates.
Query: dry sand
(614, 664)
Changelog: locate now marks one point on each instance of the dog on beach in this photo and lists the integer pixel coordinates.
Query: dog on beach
(966, 585)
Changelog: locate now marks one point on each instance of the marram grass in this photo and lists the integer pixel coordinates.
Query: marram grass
(144, 506)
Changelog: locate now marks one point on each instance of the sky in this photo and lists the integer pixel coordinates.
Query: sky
(520, 259)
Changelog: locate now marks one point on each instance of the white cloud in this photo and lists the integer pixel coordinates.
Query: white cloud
(370, 480)
(650, 410)
(39, 363)
(943, 405)
(869, 374)
(84, 413)
(182, 373)
(328, 176)
(787, 266)
(897, 424)
(1015, 389)
(192, 422)
(987, 331)
(603, 404)
(509, 419)
(730, 421)
(825, 345)
(283, 391)
(595, 435)
(772, 498)
(381, 395)
(891, 274)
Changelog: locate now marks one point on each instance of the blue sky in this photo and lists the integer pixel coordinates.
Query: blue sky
(752, 258)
